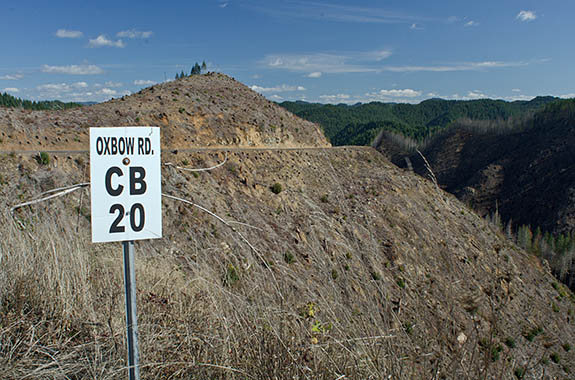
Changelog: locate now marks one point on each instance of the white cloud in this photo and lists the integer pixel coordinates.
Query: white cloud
(64, 33)
(133, 33)
(108, 91)
(415, 26)
(102, 40)
(567, 96)
(378, 55)
(406, 93)
(315, 74)
(369, 62)
(337, 98)
(11, 89)
(113, 84)
(526, 16)
(337, 12)
(143, 82)
(223, 5)
(466, 66)
(53, 87)
(276, 97)
(319, 62)
(12, 77)
(73, 69)
(282, 88)
(471, 23)
(515, 90)
(476, 94)
(61, 87)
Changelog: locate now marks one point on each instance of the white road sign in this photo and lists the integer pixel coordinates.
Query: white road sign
(125, 183)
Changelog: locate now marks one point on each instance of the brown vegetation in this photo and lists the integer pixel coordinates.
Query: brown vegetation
(356, 269)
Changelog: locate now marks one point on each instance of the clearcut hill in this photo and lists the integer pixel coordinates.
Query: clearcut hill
(201, 110)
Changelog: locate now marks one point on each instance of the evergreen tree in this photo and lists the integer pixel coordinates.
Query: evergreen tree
(196, 69)
(204, 66)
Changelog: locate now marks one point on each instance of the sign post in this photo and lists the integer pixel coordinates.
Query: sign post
(131, 315)
(126, 194)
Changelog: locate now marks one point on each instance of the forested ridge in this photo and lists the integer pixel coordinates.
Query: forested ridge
(359, 124)
(7, 100)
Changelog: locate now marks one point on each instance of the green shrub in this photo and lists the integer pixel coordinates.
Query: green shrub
(43, 158)
(566, 347)
(408, 327)
(289, 257)
(276, 188)
(323, 198)
(531, 334)
(495, 352)
(510, 342)
(401, 283)
(555, 357)
(519, 372)
(232, 276)
(334, 274)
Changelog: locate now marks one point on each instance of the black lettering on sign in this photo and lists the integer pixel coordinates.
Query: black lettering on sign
(113, 191)
(106, 146)
(137, 184)
(99, 146)
(115, 227)
(145, 146)
(137, 227)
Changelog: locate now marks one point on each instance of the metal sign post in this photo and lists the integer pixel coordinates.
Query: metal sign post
(126, 194)
(131, 317)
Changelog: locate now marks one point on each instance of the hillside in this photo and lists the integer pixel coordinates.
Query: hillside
(526, 174)
(350, 268)
(201, 110)
(359, 124)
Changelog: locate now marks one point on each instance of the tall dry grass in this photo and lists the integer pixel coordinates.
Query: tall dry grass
(379, 284)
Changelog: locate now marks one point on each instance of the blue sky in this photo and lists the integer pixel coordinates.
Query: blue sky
(320, 51)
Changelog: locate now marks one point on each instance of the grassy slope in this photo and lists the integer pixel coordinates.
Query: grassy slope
(359, 269)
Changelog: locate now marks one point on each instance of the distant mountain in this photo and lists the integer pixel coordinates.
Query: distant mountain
(359, 124)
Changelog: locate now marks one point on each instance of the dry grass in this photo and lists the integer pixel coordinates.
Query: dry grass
(407, 269)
